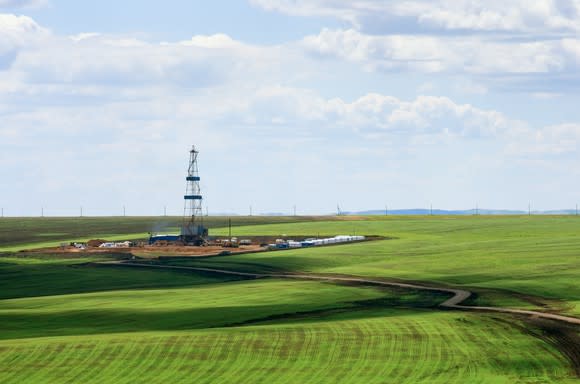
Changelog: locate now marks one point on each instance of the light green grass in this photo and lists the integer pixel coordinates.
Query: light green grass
(378, 347)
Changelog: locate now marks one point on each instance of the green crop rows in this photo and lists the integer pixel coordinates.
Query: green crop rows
(76, 321)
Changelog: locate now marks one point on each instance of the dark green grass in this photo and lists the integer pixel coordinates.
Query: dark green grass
(32, 277)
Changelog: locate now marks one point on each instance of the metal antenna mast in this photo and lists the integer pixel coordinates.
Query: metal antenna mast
(192, 230)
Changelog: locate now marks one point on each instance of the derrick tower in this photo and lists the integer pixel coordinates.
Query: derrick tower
(192, 231)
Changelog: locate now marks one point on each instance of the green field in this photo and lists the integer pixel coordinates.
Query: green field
(72, 320)
(512, 256)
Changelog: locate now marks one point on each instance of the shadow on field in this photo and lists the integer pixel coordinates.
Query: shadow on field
(51, 279)
(363, 309)
(17, 324)
(266, 264)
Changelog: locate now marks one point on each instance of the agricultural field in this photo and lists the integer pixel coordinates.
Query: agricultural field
(75, 319)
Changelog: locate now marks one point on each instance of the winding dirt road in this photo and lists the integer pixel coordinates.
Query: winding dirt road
(454, 302)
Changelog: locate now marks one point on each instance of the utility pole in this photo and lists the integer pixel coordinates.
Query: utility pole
(124, 212)
(294, 210)
(81, 211)
(529, 209)
(206, 211)
(250, 210)
(165, 210)
(476, 209)
(386, 210)
(431, 210)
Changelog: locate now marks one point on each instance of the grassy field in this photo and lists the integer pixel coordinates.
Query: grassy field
(529, 256)
(69, 320)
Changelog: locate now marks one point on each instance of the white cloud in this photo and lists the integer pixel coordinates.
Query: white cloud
(381, 52)
(36, 56)
(440, 54)
(92, 58)
(558, 139)
(545, 95)
(22, 3)
(203, 60)
(16, 31)
(219, 40)
(448, 15)
(283, 115)
(495, 15)
(372, 115)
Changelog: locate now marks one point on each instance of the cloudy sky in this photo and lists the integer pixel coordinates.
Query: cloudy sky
(290, 102)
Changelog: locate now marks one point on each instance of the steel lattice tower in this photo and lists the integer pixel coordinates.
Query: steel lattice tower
(192, 230)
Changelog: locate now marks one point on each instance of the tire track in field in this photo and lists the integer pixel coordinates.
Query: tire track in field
(454, 302)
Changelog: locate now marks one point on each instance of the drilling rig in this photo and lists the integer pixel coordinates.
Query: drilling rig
(192, 230)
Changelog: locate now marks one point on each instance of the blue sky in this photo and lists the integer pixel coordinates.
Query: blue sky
(291, 102)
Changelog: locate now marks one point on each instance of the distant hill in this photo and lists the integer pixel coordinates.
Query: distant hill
(441, 212)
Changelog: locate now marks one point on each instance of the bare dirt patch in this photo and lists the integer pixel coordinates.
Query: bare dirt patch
(148, 251)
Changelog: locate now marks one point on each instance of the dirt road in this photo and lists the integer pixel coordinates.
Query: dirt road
(459, 295)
